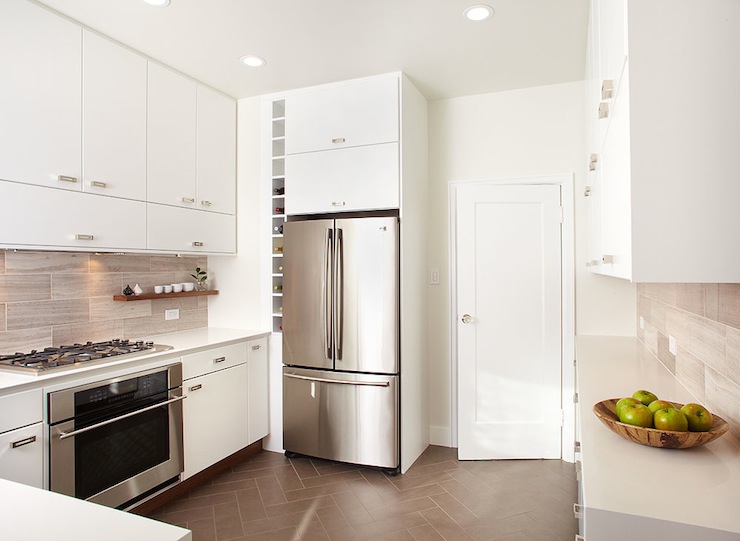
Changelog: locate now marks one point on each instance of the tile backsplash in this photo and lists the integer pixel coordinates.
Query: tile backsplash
(705, 321)
(55, 298)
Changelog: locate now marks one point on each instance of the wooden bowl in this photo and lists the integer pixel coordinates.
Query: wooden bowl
(667, 439)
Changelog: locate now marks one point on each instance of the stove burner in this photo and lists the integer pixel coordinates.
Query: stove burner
(56, 357)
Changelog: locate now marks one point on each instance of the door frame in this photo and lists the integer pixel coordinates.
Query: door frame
(567, 261)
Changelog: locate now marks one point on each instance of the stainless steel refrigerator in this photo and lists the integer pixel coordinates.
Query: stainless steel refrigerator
(341, 340)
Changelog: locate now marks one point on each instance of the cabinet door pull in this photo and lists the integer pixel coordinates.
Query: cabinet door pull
(206, 203)
(195, 387)
(98, 184)
(338, 140)
(258, 346)
(592, 161)
(603, 110)
(338, 203)
(587, 191)
(65, 178)
(21, 443)
(219, 359)
(197, 243)
(607, 259)
(84, 237)
(607, 89)
(188, 199)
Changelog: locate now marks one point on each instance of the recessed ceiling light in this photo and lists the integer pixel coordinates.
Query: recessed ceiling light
(478, 13)
(158, 3)
(253, 61)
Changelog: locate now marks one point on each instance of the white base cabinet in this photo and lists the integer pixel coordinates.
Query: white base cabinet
(21, 438)
(258, 397)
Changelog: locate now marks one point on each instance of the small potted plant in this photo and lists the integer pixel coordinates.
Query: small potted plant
(201, 279)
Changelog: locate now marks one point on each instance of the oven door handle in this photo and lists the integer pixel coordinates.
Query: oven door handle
(65, 435)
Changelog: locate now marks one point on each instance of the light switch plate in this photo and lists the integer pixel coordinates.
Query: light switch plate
(672, 345)
(174, 313)
(434, 276)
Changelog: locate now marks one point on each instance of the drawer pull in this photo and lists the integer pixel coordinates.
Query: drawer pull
(21, 443)
(195, 387)
(188, 199)
(607, 259)
(338, 140)
(65, 178)
(98, 184)
(84, 237)
(603, 110)
(219, 360)
(258, 346)
(197, 244)
(607, 89)
(587, 191)
(338, 203)
(206, 203)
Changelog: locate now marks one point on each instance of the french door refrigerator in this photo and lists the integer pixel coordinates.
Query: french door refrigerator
(341, 340)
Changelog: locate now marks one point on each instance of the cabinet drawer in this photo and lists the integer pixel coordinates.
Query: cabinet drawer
(205, 362)
(20, 409)
(22, 455)
(187, 230)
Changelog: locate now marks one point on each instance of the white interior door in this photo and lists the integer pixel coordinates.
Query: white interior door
(509, 321)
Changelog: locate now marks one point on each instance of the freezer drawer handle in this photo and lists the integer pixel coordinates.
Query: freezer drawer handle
(341, 381)
(21, 443)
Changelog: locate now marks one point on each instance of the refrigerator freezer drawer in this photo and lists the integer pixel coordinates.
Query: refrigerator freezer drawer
(341, 416)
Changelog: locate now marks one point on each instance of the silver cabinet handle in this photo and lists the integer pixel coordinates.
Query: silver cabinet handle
(338, 203)
(65, 435)
(188, 199)
(206, 203)
(592, 161)
(607, 259)
(607, 89)
(258, 346)
(586, 191)
(195, 388)
(197, 243)
(84, 237)
(21, 443)
(603, 110)
(219, 360)
(467, 318)
(65, 178)
(340, 381)
(98, 184)
(338, 140)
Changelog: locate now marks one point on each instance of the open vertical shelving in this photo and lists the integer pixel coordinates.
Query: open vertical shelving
(277, 212)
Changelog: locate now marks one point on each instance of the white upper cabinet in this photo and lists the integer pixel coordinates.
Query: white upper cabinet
(182, 230)
(216, 162)
(114, 124)
(40, 96)
(362, 112)
(171, 138)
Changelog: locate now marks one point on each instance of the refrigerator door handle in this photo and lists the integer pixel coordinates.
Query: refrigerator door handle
(327, 293)
(341, 381)
(339, 294)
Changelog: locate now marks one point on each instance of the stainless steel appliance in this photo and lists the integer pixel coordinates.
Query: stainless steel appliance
(341, 339)
(116, 440)
(58, 358)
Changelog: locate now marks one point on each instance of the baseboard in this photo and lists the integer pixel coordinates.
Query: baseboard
(440, 435)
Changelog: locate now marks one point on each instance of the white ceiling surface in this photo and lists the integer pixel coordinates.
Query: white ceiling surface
(306, 42)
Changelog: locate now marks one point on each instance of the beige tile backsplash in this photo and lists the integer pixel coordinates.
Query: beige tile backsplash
(705, 321)
(53, 298)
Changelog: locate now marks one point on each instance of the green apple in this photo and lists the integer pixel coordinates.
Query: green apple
(644, 396)
(699, 418)
(623, 402)
(656, 405)
(637, 415)
(671, 419)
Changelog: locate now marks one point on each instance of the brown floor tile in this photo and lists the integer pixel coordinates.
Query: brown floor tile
(301, 505)
(288, 478)
(229, 527)
(447, 528)
(270, 491)
(403, 508)
(333, 478)
(250, 505)
(494, 528)
(306, 493)
(304, 468)
(425, 533)
(352, 509)
(384, 529)
(203, 530)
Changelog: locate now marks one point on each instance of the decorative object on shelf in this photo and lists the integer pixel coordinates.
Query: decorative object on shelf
(278, 229)
(158, 289)
(137, 290)
(201, 279)
(279, 249)
(176, 288)
(148, 296)
(167, 289)
(128, 291)
(279, 210)
(667, 439)
(279, 190)
(188, 286)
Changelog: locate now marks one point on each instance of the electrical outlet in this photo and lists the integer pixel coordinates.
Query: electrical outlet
(172, 314)
(434, 276)
(642, 322)
(672, 345)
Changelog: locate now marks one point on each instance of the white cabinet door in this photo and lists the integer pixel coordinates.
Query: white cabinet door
(171, 138)
(204, 362)
(360, 178)
(216, 163)
(40, 96)
(114, 123)
(44, 217)
(188, 230)
(357, 113)
(258, 381)
(22, 455)
(215, 417)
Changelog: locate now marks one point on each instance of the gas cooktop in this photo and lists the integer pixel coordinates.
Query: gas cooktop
(54, 358)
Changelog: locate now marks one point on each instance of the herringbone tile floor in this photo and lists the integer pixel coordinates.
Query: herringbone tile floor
(272, 498)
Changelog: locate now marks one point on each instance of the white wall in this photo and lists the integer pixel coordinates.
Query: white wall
(521, 133)
(238, 277)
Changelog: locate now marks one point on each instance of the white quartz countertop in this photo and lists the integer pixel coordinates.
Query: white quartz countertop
(699, 486)
(182, 342)
(32, 514)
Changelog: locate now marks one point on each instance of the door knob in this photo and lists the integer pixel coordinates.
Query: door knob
(467, 318)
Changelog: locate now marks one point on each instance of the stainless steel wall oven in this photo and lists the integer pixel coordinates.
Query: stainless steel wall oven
(115, 440)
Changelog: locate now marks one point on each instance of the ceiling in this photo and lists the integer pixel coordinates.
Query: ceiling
(306, 42)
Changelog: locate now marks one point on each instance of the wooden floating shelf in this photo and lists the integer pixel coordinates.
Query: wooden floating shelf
(149, 296)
